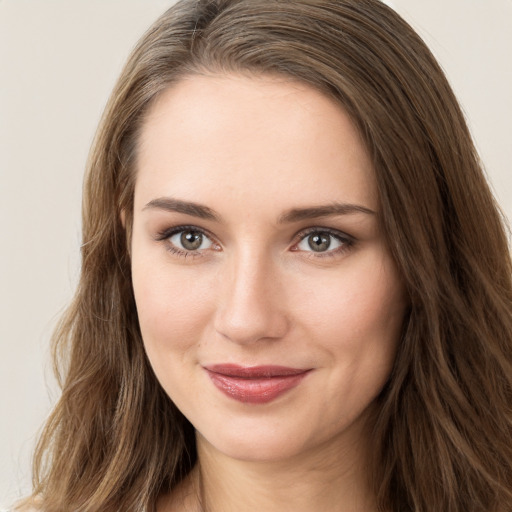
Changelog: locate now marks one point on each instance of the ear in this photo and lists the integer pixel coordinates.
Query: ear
(122, 216)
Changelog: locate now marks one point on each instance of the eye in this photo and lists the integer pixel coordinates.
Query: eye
(187, 241)
(323, 241)
(190, 240)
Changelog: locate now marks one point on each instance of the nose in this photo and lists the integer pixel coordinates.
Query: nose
(251, 306)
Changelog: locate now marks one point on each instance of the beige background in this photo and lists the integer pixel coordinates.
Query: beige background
(58, 62)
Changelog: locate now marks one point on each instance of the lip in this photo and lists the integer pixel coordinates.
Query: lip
(255, 384)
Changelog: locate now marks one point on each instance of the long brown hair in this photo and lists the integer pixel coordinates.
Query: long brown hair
(444, 424)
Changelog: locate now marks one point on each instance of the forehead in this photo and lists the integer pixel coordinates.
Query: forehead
(217, 137)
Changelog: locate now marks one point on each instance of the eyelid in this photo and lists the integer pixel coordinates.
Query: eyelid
(168, 232)
(347, 240)
(165, 235)
(336, 233)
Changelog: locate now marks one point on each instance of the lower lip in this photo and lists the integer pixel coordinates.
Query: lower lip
(255, 390)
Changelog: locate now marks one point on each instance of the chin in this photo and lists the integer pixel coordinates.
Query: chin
(249, 448)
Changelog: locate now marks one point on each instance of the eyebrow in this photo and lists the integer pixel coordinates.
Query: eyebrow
(171, 204)
(187, 207)
(314, 212)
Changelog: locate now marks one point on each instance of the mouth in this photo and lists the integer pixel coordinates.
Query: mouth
(255, 384)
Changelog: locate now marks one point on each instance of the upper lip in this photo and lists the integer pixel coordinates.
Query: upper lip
(254, 372)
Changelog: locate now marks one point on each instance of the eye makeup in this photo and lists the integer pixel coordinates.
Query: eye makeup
(315, 242)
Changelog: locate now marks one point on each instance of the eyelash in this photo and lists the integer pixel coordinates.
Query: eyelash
(346, 241)
(166, 234)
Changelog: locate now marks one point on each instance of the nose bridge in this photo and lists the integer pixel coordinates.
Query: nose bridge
(249, 308)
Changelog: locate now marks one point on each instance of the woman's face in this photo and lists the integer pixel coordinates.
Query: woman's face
(268, 302)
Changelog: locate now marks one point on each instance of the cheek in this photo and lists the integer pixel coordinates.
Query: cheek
(172, 308)
(357, 323)
(361, 301)
(357, 319)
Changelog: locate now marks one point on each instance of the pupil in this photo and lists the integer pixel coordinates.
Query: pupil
(319, 242)
(191, 240)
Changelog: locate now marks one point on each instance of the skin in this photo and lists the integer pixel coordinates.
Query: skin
(252, 150)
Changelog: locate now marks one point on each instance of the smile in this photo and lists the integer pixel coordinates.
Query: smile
(254, 384)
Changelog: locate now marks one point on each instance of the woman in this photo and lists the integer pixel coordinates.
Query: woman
(295, 289)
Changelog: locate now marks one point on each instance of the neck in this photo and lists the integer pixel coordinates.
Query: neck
(331, 479)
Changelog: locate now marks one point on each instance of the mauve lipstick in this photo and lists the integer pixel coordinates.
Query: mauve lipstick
(254, 384)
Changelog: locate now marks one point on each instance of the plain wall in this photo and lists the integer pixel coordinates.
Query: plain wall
(58, 62)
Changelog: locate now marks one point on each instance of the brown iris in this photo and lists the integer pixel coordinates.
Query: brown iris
(319, 242)
(191, 240)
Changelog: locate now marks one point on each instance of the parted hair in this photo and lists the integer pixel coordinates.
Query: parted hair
(442, 430)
